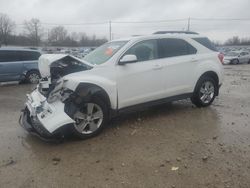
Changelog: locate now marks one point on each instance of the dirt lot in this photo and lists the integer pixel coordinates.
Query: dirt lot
(174, 145)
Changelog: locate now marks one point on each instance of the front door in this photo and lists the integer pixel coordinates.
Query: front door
(141, 81)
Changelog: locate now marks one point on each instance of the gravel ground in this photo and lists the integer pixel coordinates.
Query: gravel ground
(173, 145)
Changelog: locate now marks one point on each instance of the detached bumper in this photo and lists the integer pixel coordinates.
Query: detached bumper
(42, 119)
(35, 128)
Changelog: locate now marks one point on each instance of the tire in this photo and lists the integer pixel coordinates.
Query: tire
(248, 61)
(33, 77)
(205, 92)
(235, 62)
(86, 126)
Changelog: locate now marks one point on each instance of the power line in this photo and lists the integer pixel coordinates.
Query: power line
(221, 19)
(144, 22)
(151, 21)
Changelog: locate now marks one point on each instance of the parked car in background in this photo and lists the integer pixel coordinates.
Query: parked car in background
(120, 76)
(19, 65)
(236, 57)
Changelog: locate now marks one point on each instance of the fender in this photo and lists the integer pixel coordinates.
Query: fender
(208, 67)
(87, 90)
(92, 85)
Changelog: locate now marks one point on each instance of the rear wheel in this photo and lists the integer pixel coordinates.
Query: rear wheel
(90, 119)
(33, 77)
(205, 92)
(235, 61)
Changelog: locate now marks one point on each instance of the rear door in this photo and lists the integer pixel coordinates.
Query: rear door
(244, 57)
(10, 65)
(30, 59)
(178, 60)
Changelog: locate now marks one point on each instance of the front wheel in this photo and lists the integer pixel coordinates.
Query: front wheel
(90, 119)
(205, 92)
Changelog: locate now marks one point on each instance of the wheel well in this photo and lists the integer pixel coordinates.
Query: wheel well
(31, 70)
(213, 75)
(88, 91)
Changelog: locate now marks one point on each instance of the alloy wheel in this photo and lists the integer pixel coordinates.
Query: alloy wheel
(207, 92)
(89, 118)
(34, 78)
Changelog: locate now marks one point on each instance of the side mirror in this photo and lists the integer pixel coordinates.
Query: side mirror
(128, 59)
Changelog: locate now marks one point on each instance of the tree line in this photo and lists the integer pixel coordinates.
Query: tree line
(34, 35)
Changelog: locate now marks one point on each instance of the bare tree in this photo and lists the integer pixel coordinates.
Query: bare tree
(57, 35)
(233, 41)
(34, 30)
(6, 28)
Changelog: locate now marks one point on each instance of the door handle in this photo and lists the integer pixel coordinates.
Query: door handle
(157, 67)
(194, 60)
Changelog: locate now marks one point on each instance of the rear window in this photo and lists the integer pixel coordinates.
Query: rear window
(12, 55)
(29, 56)
(9, 56)
(175, 47)
(206, 42)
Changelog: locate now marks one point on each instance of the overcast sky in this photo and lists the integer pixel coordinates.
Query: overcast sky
(81, 11)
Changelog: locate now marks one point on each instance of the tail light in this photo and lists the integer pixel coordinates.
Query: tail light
(221, 57)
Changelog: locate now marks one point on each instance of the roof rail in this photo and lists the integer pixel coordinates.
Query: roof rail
(178, 32)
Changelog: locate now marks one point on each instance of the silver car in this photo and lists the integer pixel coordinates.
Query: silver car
(237, 57)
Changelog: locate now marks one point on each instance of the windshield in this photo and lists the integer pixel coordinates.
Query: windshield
(104, 52)
(232, 54)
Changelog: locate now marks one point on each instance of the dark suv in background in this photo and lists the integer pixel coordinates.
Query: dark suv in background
(19, 65)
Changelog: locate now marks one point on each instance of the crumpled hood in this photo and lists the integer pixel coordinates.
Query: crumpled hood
(45, 61)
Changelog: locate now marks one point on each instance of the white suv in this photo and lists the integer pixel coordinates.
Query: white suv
(121, 75)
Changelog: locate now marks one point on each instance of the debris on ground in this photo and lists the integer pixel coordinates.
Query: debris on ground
(205, 158)
(133, 132)
(56, 160)
(178, 159)
(174, 168)
(9, 162)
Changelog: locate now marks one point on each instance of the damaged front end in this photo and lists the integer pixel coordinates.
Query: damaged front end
(45, 114)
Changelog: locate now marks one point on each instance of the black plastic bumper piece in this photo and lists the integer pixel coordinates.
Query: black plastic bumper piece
(37, 129)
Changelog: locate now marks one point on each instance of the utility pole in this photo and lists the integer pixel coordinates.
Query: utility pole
(188, 28)
(110, 30)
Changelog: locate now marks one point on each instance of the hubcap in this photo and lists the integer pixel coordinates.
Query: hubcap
(88, 119)
(207, 92)
(34, 78)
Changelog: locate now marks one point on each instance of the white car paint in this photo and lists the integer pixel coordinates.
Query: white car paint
(130, 84)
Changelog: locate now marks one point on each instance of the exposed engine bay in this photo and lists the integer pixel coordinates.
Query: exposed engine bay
(44, 111)
(52, 72)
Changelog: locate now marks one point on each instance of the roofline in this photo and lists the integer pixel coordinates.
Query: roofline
(170, 35)
(18, 49)
(176, 32)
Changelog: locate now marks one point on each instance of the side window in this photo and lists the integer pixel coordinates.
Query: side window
(9, 56)
(145, 50)
(206, 42)
(2, 56)
(29, 56)
(175, 47)
(243, 53)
